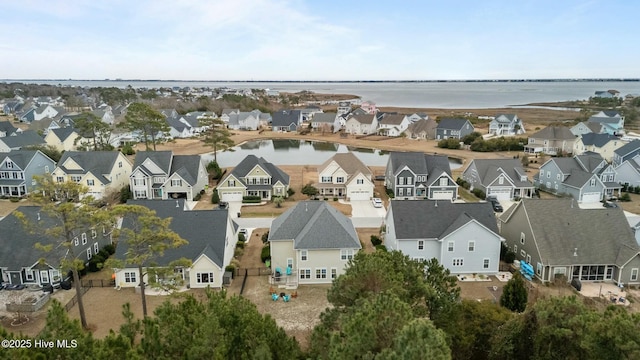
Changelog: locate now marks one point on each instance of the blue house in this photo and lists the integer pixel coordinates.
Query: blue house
(453, 129)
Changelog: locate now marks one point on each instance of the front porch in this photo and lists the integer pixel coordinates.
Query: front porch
(331, 190)
(13, 190)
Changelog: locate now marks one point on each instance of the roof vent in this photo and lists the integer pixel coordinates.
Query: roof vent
(575, 251)
(38, 216)
(436, 203)
(305, 207)
(177, 204)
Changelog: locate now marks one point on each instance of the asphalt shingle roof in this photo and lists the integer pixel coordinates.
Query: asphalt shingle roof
(554, 133)
(161, 158)
(452, 124)
(349, 163)
(250, 161)
(598, 140)
(98, 163)
(488, 170)
(187, 167)
(25, 138)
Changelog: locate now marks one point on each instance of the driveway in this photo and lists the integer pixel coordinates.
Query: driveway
(365, 209)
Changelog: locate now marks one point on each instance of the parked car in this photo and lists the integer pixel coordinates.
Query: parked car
(223, 205)
(495, 204)
(377, 202)
(609, 204)
(243, 231)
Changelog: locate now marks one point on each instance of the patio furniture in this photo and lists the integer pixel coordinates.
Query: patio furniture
(274, 297)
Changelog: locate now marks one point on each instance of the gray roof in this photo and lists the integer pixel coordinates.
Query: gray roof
(453, 124)
(63, 133)
(421, 164)
(628, 148)
(560, 229)
(604, 120)
(364, 118)
(590, 161)
(349, 163)
(554, 133)
(161, 158)
(19, 157)
(187, 167)
(508, 118)
(99, 163)
(392, 119)
(422, 125)
(7, 127)
(250, 161)
(315, 225)
(433, 219)
(328, 118)
(285, 118)
(205, 230)
(488, 171)
(25, 138)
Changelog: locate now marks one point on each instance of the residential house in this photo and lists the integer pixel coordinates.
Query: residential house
(17, 169)
(626, 152)
(286, 120)
(559, 239)
(245, 120)
(393, 124)
(105, 115)
(612, 122)
(422, 129)
(603, 144)
(418, 116)
(22, 262)
(587, 177)
(369, 107)
(226, 114)
(163, 175)
(453, 129)
(310, 111)
(7, 129)
(326, 122)
(412, 175)
(344, 107)
(344, 175)
(552, 140)
(628, 173)
(253, 176)
(311, 243)
(506, 125)
(20, 140)
(463, 237)
(586, 128)
(38, 113)
(361, 124)
(64, 139)
(179, 128)
(211, 243)
(100, 171)
(503, 178)
(609, 94)
(45, 125)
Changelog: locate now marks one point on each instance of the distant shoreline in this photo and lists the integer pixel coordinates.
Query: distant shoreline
(347, 81)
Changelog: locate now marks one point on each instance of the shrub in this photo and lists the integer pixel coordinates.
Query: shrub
(309, 190)
(265, 237)
(231, 268)
(252, 199)
(265, 254)
(479, 194)
(468, 139)
(625, 197)
(463, 183)
(240, 245)
(14, 199)
(127, 149)
(214, 170)
(197, 197)
(335, 199)
(381, 248)
(125, 194)
(241, 238)
(449, 144)
(375, 240)
(215, 198)
(238, 252)
(110, 249)
(390, 193)
(290, 192)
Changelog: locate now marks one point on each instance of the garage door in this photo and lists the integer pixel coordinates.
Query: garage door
(443, 195)
(231, 196)
(591, 197)
(359, 195)
(500, 194)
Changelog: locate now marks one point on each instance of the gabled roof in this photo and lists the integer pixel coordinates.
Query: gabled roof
(421, 164)
(205, 230)
(433, 219)
(187, 167)
(364, 118)
(422, 125)
(22, 139)
(177, 124)
(604, 120)
(452, 124)
(594, 127)
(21, 158)
(6, 126)
(628, 148)
(285, 118)
(315, 225)
(99, 163)
(490, 169)
(250, 161)
(505, 118)
(161, 158)
(392, 119)
(63, 133)
(348, 162)
(329, 117)
(554, 133)
(590, 161)
(562, 229)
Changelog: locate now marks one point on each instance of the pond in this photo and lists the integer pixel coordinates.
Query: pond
(302, 152)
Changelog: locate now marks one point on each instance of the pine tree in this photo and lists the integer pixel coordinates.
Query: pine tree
(514, 294)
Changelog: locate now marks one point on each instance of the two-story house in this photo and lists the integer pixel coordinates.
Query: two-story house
(463, 237)
(580, 176)
(326, 122)
(626, 152)
(64, 139)
(628, 173)
(286, 120)
(611, 120)
(503, 178)
(211, 244)
(245, 120)
(506, 125)
(603, 144)
(100, 171)
(22, 262)
(584, 127)
(253, 176)
(17, 169)
(422, 129)
(453, 129)
(20, 140)
(311, 243)
(361, 124)
(162, 175)
(559, 239)
(393, 124)
(412, 175)
(551, 140)
(344, 175)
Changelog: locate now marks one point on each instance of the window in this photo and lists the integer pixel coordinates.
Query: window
(84, 238)
(610, 177)
(90, 182)
(46, 169)
(130, 277)
(522, 238)
(557, 176)
(290, 263)
(458, 262)
(304, 255)
(59, 179)
(29, 275)
(96, 248)
(409, 191)
(593, 182)
(44, 276)
(340, 179)
(76, 178)
(400, 180)
(334, 273)
(346, 254)
(359, 181)
(485, 263)
(420, 244)
(119, 164)
(400, 191)
(176, 182)
(231, 182)
(321, 273)
(450, 246)
(541, 173)
(528, 259)
(139, 182)
(75, 241)
(89, 254)
(500, 180)
(555, 186)
(539, 269)
(94, 233)
(204, 278)
(9, 164)
(326, 179)
(305, 274)
(409, 180)
(140, 194)
(33, 182)
(523, 253)
(634, 274)
(472, 246)
(444, 181)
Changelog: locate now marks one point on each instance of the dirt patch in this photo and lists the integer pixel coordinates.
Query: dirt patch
(37, 319)
(364, 234)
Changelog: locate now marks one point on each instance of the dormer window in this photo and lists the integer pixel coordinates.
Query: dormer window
(9, 164)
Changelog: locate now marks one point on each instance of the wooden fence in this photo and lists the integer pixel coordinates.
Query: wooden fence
(97, 283)
(74, 299)
(252, 272)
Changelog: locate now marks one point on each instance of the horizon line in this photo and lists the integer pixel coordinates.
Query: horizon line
(608, 79)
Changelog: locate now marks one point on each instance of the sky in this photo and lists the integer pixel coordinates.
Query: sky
(319, 39)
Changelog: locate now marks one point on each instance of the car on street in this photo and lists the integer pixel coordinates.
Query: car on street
(377, 202)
